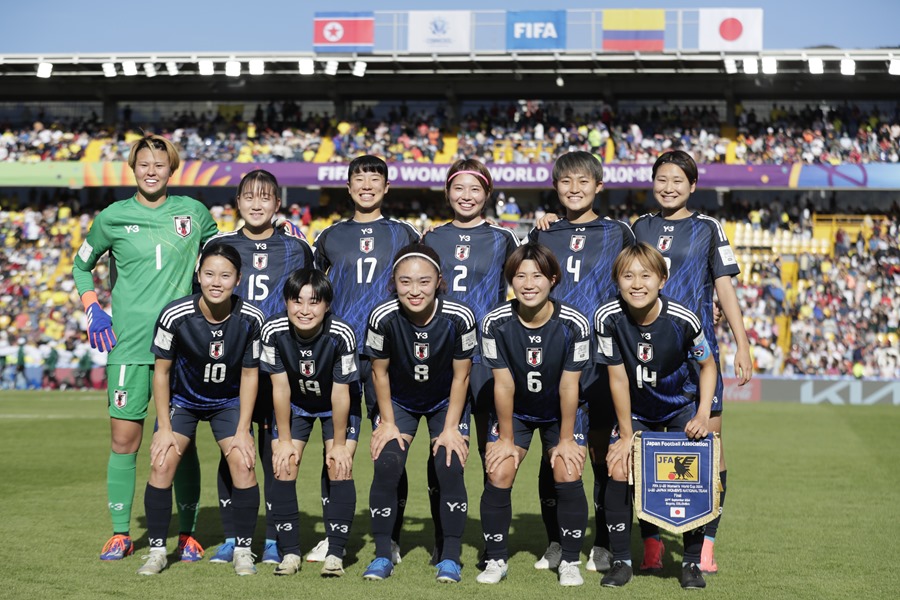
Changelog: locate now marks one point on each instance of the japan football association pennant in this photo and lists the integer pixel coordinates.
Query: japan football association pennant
(676, 480)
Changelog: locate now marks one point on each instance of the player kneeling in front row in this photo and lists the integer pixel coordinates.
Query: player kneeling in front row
(537, 348)
(647, 341)
(312, 358)
(207, 350)
(421, 346)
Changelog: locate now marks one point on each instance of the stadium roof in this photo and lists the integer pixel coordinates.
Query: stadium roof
(500, 74)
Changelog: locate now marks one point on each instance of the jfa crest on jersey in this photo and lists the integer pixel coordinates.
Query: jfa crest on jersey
(120, 398)
(645, 352)
(421, 351)
(576, 243)
(462, 252)
(183, 225)
(260, 261)
(664, 243)
(534, 356)
(307, 368)
(366, 244)
(216, 349)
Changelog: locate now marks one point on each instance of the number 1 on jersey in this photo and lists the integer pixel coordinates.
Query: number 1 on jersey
(159, 257)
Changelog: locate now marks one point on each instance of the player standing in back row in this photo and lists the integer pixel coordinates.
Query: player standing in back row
(153, 240)
(585, 245)
(701, 264)
(357, 255)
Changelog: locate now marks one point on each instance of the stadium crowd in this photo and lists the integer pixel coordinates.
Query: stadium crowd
(516, 133)
(844, 313)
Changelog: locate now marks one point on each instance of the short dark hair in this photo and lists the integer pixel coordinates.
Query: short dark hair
(681, 159)
(542, 257)
(417, 248)
(367, 164)
(223, 250)
(258, 179)
(577, 162)
(322, 290)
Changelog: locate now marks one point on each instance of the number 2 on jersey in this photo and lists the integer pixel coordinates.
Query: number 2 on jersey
(459, 283)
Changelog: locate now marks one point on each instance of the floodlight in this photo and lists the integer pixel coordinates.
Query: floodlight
(816, 65)
(560, 82)
(331, 67)
(894, 66)
(149, 69)
(109, 69)
(769, 65)
(307, 66)
(233, 68)
(751, 66)
(257, 66)
(359, 68)
(172, 67)
(129, 67)
(44, 70)
(731, 66)
(848, 66)
(206, 67)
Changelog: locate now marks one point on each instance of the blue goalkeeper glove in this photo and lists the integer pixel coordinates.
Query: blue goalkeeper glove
(100, 331)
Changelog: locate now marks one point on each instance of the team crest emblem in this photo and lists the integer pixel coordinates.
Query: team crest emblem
(576, 243)
(645, 352)
(421, 350)
(366, 244)
(120, 398)
(534, 356)
(183, 226)
(260, 261)
(307, 368)
(664, 243)
(462, 252)
(216, 349)
(677, 467)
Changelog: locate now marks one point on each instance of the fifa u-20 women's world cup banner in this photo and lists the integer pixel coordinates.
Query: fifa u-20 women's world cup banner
(676, 479)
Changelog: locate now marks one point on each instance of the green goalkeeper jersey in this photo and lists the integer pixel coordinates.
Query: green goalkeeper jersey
(153, 253)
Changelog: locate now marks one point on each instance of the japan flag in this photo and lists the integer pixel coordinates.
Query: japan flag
(731, 29)
(676, 512)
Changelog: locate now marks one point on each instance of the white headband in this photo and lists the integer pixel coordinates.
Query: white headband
(417, 255)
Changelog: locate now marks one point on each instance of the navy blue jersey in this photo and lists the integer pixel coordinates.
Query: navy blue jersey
(655, 356)
(207, 358)
(697, 253)
(358, 258)
(421, 358)
(266, 266)
(585, 252)
(472, 262)
(313, 366)
(536, 358)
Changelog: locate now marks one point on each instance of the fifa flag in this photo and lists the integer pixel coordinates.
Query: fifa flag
(737, 29)
(447, 31)
(344, 32)
(630, 30)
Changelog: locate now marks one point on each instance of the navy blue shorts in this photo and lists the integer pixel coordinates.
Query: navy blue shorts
(408, 422)
(523, 431)
(675, 423)
(223, 421)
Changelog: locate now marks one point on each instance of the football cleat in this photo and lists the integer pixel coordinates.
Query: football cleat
(154, 564)
(189, 549)
(550, 559)
(599, 560)
(117, 547)
(619, 574)
(494, 572)
(570, 574)
(448, 571)
(378, 569)
(332, 566)
(653, 553)
(708, 559)
(271, 555)
(395, 553)
(243, 562)
(692, 578)
(318, 553)
(225, 553)
(289, 565)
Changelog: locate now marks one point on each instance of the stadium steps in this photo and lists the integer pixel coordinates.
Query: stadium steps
(451, 145)
(325, 151)
(94, 150)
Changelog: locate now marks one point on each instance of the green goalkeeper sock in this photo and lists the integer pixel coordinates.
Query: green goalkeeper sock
(187, 490)
(120, 474)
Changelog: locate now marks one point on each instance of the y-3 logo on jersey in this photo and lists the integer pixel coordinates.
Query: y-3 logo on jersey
(183, 225)
(132, 228)
(534, 356)
(366, 244)
(664, 242)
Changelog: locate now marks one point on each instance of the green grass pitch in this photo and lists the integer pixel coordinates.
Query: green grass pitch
(812, 512)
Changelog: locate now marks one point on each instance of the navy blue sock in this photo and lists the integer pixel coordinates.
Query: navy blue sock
(224, 486)
(713, 526)
(286, 514)
(453, 503)
(496, 517)
(402, 496)
(265, 457)
(339, 515)
(434, 501)
(601, 480)
(547, 495)
(246, 509)
(572, 514)
(618, 518)
(325, 485)
(383, 496)
(158, 508)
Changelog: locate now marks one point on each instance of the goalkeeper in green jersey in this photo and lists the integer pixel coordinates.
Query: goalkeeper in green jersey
(153, 239)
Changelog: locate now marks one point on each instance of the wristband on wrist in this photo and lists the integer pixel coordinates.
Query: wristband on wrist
(89, 298)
